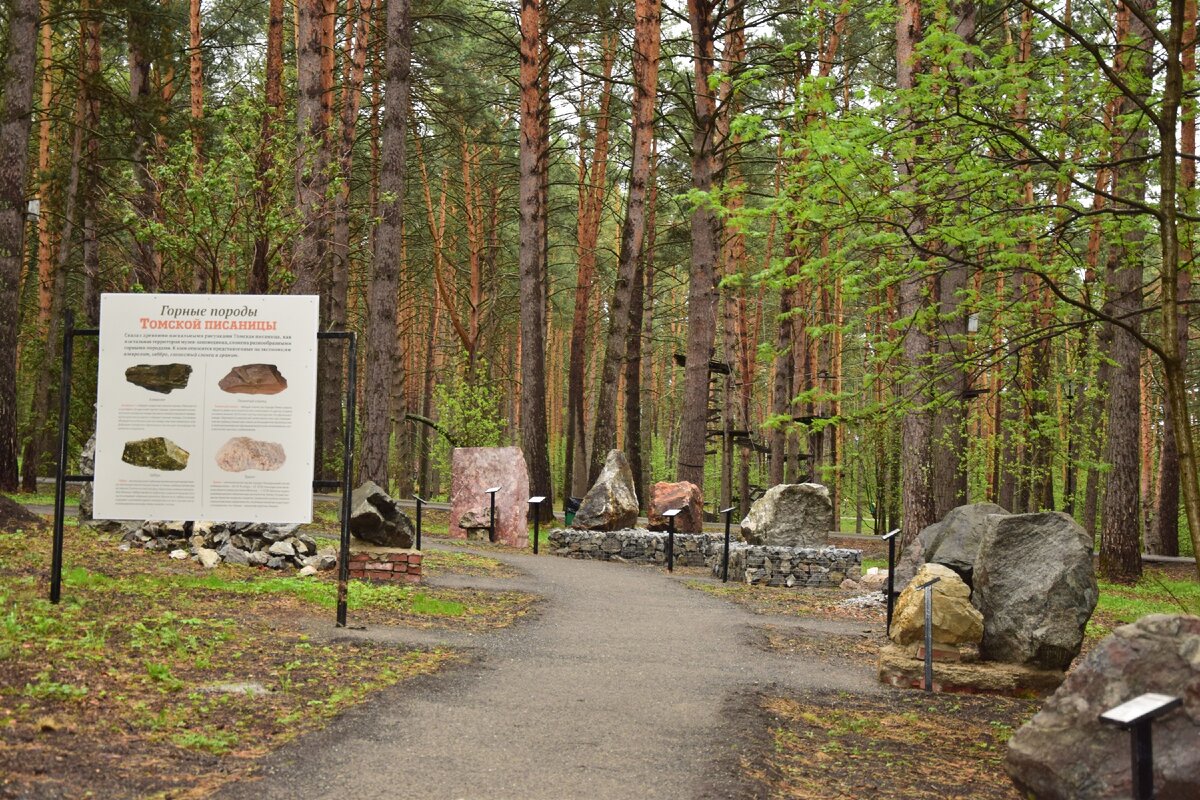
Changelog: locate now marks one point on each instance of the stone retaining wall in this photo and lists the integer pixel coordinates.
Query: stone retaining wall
(824, 567)
(386, 565)
(637, 546)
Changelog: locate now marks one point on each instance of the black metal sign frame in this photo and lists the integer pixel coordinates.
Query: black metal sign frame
(70, 332)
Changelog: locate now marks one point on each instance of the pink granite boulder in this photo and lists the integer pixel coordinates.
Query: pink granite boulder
(476, 469)
(665, 496)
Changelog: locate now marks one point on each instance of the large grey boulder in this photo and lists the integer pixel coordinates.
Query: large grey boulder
(1065, 753)
(1036, 586)
(952, 542)
(790, 515)
(376, 518)
(611, 504)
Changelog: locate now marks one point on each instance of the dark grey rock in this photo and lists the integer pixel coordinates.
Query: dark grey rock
(161, 378)
(376, 518)
(953, 542)
(612, 503)
(234, 555)
(1064, 753)
(277, 562)
(1036, 586)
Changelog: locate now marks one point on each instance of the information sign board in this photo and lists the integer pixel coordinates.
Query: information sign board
(206, 407)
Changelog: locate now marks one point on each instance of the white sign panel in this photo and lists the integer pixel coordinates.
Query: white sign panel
(206, 407)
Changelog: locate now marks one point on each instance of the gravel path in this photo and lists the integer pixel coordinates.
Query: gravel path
(617, 689)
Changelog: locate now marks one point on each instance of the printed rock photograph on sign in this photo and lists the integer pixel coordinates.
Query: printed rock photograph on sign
(161, 378)
(242, 453)
(157, 452)
(253, 379)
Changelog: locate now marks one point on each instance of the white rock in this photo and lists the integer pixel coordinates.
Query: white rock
(209, 558)
(307, 571)
(177, 554)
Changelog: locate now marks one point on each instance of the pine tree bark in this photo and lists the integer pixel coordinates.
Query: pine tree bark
(147, 263)
(15, 122)
(260, 269)
(533, 270)
(386, 258)
(948, 479)
(916, 426)
(1120, 533)
(310, 166)
(206, 277)
(45, 244)
(1162, 538)
(705, 248)
(633, 229)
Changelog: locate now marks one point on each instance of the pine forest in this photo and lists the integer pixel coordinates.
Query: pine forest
(923, 252)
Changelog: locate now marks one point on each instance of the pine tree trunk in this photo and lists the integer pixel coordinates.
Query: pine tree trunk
(310, 166)
(260, 270)
(533, 269)
(705, 248)
(147, 263)
(385, 261)
(1163, 537)
(15, 123)
(633, 229)
(45, 264)
(1120, 534)
(915, 430)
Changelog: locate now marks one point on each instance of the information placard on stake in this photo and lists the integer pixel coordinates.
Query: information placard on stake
(206, 407)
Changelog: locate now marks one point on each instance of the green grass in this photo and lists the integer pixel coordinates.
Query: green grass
(361, 595)
(1120, 604)
(43, 497)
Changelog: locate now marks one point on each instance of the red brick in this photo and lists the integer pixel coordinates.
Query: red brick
(414, 558)
(379, 566)
(414, 569)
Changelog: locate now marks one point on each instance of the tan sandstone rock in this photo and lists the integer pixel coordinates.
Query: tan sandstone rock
(955, 620)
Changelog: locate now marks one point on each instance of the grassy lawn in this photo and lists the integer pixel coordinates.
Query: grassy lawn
(157, 677)
(1160, 591)
(44, 496)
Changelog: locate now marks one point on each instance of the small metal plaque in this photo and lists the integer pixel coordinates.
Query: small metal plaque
(890, 534)
(1141, 708)
(930, 582)
(727, 510)
(419, 499)
(536, 500)
(672, 512)
(492, 490)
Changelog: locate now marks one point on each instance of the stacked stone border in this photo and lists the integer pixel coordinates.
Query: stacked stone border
(824, 567)
(805, 567)
(386, 565)
(636, 545)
